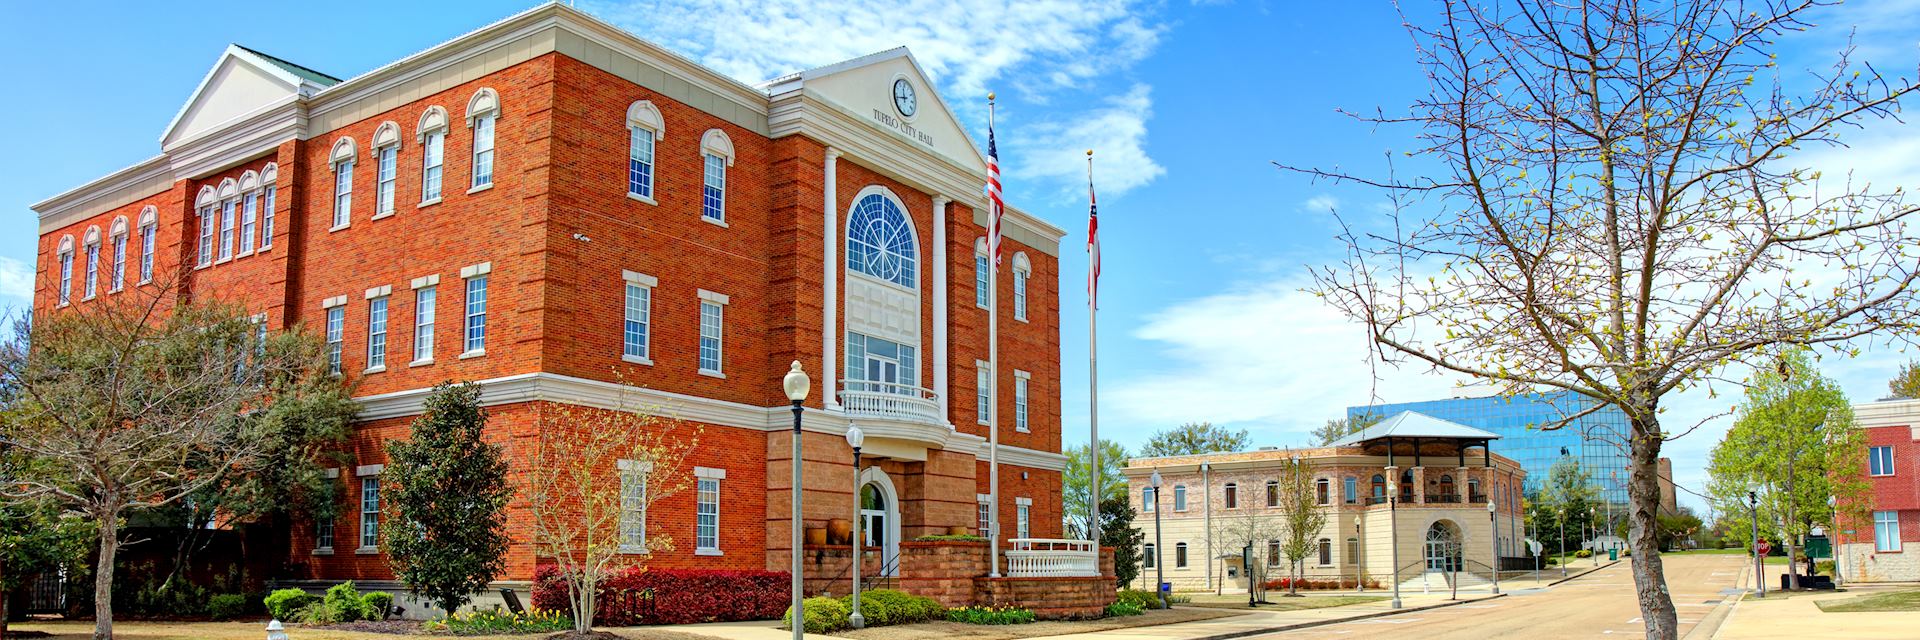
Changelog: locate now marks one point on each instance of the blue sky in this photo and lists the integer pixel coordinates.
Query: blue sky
(1186, 105)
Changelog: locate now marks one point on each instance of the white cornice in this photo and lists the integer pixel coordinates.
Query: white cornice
(1890, 413)
(549, 387)
(240, 140)
(56, 212)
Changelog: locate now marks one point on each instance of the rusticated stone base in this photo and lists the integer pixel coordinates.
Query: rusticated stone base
(1049, 598)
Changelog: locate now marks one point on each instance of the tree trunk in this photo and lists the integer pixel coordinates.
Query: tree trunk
(4, 612)
(1643, 497)
(103, 577)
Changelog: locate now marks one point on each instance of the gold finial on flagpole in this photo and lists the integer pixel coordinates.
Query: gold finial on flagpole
(1089, 153)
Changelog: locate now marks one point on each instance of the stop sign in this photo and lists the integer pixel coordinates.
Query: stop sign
(1763, 548)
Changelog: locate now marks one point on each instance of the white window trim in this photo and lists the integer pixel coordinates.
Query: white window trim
(1022, 394)
(485, 103)
(650, 283)
(707, 473)
(645, 468)
(1022, 285)
(716, 143)
(983, 372)
(720, 299)
(1890, 470)
(386, 324)
(644, 116)
(423, 282)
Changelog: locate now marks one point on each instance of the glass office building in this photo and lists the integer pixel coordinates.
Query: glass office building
(1598, 440)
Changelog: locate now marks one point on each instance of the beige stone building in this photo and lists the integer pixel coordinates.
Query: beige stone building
(1411, 493)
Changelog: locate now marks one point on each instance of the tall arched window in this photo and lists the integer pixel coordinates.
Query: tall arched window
(93, 262)
(204, 205)
(716, 154)
(269, 190)
(386, 167)
(1379, 489)
(880, 241)
(482, 112)
(1022, 270)
(980, 273)
(343, 153)
(66, 270)
(433, 152)
(117, 274)
(644, 128)
(229, 200)
(149, 227)
(1326, 552)
(249, 210)
(1180, 554)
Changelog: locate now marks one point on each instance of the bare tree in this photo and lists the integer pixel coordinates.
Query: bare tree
(136, 400)
(594, 475)
(1250, 528)
(1614, 212)
(1302, 515)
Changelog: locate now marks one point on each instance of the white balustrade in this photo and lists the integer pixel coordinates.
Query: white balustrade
(889, 401)
(1030, 557)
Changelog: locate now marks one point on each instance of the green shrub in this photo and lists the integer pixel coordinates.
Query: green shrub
(1141, 598)
(281, 604)
(227, 606)
(1124, 608)
(990, 615)
(881, 607)
(345, 602)
(499, 621)
(376, 605)
(1626, 552)
(324, 612)
(823, 614)
(1583, 553)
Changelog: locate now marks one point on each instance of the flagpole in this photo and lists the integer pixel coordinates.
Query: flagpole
(1093, 362)
(993, 373)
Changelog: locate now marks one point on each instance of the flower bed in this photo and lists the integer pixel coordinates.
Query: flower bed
(673, 596)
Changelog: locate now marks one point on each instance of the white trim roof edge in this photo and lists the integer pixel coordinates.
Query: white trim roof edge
(233, 51)
(147, 169)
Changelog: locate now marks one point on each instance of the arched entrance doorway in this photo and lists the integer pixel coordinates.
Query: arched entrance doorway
(1443, 549)
(880, 518)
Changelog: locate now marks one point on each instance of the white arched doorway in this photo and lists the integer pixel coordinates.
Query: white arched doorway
(880, 518)
(1443, 549)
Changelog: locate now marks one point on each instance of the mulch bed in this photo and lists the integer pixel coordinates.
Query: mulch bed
(391, 627)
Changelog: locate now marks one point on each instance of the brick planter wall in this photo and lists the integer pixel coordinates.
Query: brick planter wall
(954, 573)
(942, 570)
(1049, 598)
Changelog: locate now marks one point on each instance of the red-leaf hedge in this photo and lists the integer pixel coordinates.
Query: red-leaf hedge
(674, 596)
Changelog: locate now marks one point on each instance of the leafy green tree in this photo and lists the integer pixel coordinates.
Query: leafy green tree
(1194, 438)
(1567, 497)
(448, 491)
(36, 538)
(1078, 478)
(1906, 384)
(139, 400)
(1793, 444)
(1677, 528)
(1343, 427)
(1117, 531)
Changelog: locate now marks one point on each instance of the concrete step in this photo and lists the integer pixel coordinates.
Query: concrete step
(1443, 582)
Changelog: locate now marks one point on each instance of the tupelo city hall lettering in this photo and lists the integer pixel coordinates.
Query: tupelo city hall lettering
(905, 129)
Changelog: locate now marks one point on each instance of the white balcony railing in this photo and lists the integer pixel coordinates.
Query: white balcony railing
(889, 401)
(1032, 557)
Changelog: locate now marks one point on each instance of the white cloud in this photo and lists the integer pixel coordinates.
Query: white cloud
(1268, 357)
(16, 279)
(1027, 51)
(1321, 203)
(1117, 132)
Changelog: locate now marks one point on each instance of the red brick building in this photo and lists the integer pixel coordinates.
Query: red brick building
(1885, 545)
(550, 203)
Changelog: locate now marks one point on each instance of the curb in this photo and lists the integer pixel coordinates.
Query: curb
(1333, 621)
(1577, 576)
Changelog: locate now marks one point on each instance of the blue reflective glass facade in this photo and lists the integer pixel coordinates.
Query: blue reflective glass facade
(1597, 440)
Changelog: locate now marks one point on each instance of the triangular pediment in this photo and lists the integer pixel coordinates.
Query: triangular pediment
(241, 84)
(864, 86)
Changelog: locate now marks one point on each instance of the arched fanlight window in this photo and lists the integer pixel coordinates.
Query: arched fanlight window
(482, 112)
(66, 269)
(980, 273)
(386, 166)
(433, 146)
(117, 235)
(149, 229)
(92, 245)
(880, 240)
(716, 154)
(1022, 271)
(645, 127)
(269, 195)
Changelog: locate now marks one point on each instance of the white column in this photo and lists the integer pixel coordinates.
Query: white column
(939, 257)
(830, 302)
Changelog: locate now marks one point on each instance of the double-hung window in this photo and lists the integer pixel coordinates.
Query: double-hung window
(1231, 496)
(476, 324)
(342, 193)
(1880, 461)
(119, 275)
(249, 220)
(1147, 503)
(1020, 379)
(266, 217)
(1180, 497)
(1350, 491)
(1020, 294)
(1147, 556)
(66, 273)
(423, 302)
(1022, 512)
(206, 235)
(385, 172)
(983, 391)
(369, 512)
(712, 322)
(637, 322)
(1886, 531)
(432, 134)
(483, 151)
(336, 333)
(980, 275)
(1180, 554)
(713, 191)
(377, 333)
(323, 535)
(147, 232)
(93, 266)
(633, 505)
(706, 526)
(227, 208)
(985, 509)
(640, 163)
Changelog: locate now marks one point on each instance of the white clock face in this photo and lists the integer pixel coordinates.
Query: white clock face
(903, 98)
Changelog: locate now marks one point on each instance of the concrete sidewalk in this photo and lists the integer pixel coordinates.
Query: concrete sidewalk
(1798, 616)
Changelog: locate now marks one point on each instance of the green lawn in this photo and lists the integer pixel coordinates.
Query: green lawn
(1895, 601)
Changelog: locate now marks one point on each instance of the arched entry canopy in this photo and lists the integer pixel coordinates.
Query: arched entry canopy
(1419, 435)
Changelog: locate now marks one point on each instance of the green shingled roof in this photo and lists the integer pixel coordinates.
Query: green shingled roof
(304, 73)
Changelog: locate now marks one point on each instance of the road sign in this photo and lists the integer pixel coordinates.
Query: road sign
(1763, 548)
(1534, 546)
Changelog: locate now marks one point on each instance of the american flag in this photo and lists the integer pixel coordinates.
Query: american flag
(1093, 241)
(995, 207)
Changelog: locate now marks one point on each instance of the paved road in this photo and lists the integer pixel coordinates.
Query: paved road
(1598, 605)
